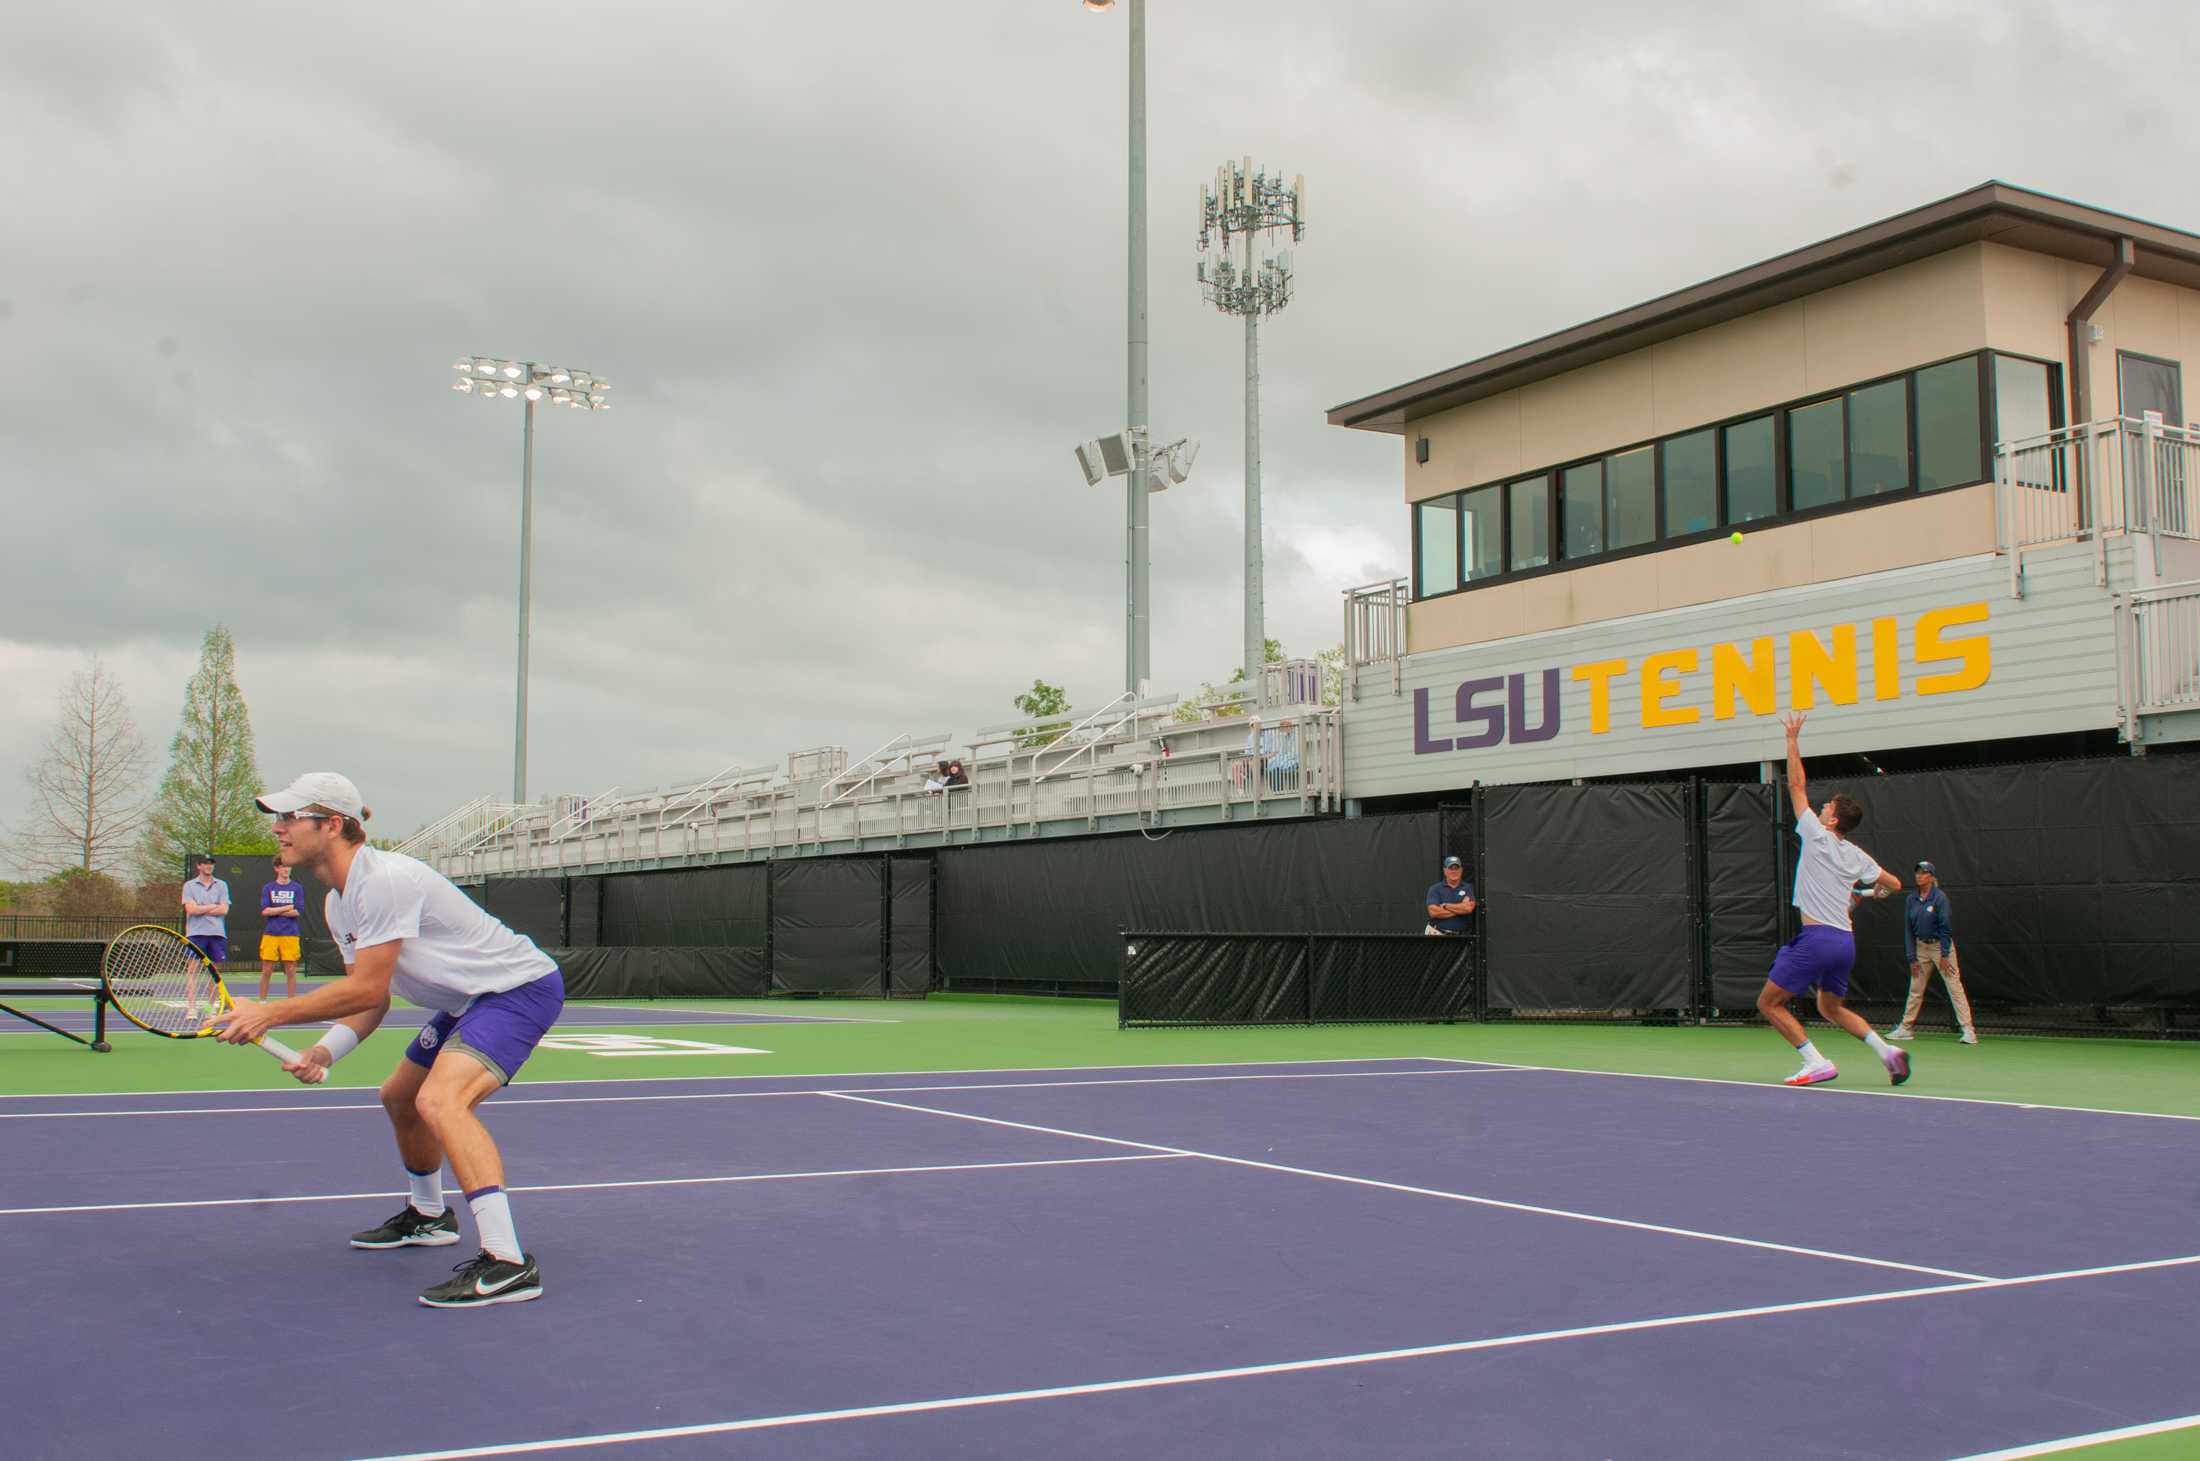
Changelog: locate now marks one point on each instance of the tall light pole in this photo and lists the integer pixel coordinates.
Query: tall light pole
(1243, 204)
(492, 379)
(1137, 515)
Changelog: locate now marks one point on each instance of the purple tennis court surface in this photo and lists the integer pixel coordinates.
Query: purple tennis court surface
(1381, 1258)
(77, 1016)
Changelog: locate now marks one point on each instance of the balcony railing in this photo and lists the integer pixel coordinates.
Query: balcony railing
(1375, 634)
(2091, 482)
(2161, 652)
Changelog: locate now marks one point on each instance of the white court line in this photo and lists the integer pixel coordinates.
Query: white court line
(748, 1017)
(1164, 1080)
(596, 1186)
(1560, 1212)
(2072, 1443)
(1242, 1372)
(841, 1075)
(1831, 1090)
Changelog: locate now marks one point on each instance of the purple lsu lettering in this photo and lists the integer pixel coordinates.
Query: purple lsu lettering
(1744, 675)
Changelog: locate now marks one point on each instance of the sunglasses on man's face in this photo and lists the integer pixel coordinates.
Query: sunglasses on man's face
(284, 819)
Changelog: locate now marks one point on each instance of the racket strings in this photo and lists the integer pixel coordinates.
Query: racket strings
(161, 981)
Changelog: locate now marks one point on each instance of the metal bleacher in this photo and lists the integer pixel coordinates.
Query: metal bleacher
(1133, 763)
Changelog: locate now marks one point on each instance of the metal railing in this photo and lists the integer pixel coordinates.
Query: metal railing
(444, 831)
(2091, 482)
(1375, 632)
(1127, 764)
(2161, 652)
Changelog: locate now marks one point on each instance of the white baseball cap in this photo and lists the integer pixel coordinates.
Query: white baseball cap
(316, 789)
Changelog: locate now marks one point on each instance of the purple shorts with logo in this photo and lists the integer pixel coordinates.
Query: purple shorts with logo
(213, 946)
(499, 1030)
(1819, 956)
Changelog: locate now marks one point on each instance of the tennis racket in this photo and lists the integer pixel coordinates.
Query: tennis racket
(165, 986)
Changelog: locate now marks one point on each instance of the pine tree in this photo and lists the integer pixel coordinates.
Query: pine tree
(205, 801)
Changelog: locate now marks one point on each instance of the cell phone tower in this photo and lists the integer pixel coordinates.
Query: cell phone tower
(1240, 206)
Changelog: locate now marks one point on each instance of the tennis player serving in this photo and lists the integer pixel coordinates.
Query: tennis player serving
(1830, 869)
(403, 928)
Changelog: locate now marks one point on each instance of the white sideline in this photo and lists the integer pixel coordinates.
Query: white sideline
(1830, 1090)
(846, 1075)
(597, 1186)
(2097, 1438)
(1560, 1212)
(1286, 1367)
(1159, 1080)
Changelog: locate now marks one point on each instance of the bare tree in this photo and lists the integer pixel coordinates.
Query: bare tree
(88, 783)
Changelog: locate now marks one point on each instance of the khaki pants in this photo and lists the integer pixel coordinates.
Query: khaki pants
(1929, 958)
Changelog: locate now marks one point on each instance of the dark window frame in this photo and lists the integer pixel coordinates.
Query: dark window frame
(1784, 509)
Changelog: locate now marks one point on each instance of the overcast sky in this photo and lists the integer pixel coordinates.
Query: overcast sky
(856, 271)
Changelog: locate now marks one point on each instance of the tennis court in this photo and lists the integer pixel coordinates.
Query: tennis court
(1400, 1256)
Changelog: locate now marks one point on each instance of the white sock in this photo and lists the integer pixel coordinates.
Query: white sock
(427, 1191)
(1810, 1054)
(1879, 1046)
(493, 1222)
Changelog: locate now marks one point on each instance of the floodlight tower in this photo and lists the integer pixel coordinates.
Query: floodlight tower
(491, 378)
(1243, 204)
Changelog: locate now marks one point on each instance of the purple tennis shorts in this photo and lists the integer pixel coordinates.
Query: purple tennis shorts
(214, 946)
(499, 1030)
(1820, 956)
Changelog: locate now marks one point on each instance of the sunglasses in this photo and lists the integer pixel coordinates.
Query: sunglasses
(284, 819)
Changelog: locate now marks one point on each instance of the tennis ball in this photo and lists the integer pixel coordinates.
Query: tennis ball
(1734, 538)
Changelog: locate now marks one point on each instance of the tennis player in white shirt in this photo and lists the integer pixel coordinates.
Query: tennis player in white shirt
(1829, 871)
(403, 928)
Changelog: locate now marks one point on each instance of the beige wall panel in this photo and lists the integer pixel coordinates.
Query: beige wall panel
(1472, 444)
(1612, 590)
(1766, 558)
(1953, 524)
(1464, 618)
(1923, 311)
(1586, 411)
(2142, 315)
(2188, 350)
(2027, 297)
(1728, 370)
(1547, 603)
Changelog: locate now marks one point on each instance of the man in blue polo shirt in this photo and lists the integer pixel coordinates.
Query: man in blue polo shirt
(1929, 938)
(1450, 902)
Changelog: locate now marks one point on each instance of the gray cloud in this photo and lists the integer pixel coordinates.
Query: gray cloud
(857, 275)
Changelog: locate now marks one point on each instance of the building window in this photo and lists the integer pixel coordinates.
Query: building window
(1630, 498)
(1817, 470)
(1948, 426)
(1436, 525)
(1581, 510)
(1531, 523)
(1879, 439)
(2024, 410)
(1752, 484)
(1482, 518)
(1691, 484)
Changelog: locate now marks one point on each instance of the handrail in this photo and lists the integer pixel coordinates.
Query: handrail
(1138, 706)
(587, 810)
(1375, 631)
(901, 745)
(2092, 481)
(432, 834)
(2164, 654)
(704, 793)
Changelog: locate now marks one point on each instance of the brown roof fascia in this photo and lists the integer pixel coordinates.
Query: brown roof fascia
(1993, 210)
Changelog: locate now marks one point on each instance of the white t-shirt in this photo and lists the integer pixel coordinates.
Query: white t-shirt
(453, 951)
(1826, 873)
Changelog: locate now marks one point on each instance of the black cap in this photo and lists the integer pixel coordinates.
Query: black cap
(1926, 867)
(1453, 862)
(199, 857)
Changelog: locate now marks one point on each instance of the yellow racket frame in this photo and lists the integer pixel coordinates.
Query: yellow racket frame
(222, 1003)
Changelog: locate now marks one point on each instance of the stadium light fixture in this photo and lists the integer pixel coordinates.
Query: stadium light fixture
(501, 379)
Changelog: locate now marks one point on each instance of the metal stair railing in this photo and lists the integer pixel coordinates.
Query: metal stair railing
(431, 836)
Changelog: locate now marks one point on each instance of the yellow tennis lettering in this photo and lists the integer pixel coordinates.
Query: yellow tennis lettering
(1599, 676)
(1659, 686)
(1975, 651)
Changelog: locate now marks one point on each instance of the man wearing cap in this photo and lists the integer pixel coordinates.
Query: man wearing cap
(205, 909)
(1450, 902)
(1929, 938)
(403, 928)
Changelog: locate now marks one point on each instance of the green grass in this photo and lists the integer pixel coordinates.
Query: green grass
(991, 1032)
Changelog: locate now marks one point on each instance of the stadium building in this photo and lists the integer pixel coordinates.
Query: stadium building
(1955, 446)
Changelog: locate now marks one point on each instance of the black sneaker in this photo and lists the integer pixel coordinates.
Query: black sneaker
(486, 1279)
(411, 1228)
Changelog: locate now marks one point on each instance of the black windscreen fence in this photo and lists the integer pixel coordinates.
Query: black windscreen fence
(531, 906)
(1050, 915)
(829, 926)
(909, 926)
(1293, 979)
(1742, 851)
(1589, 906)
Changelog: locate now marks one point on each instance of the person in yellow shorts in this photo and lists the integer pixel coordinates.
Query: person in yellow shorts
(279, 903)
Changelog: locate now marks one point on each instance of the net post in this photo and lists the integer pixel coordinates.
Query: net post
(99, 1021)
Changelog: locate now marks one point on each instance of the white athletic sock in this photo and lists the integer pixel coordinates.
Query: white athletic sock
(427, 1191)
(1810, 1054)
(493, 1222)
(1879, 1046)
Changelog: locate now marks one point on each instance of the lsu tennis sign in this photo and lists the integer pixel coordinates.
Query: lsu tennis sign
(1940, 651)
